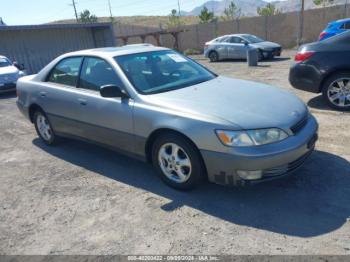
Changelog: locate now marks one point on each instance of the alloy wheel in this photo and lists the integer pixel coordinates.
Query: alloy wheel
(174, 162)
(44, 127)
(338, 92)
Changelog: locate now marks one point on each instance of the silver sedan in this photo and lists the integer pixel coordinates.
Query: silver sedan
(235, 47)
(158, 105)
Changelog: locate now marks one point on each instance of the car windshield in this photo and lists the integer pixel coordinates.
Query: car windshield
(161, 71)
(252, 39)
(4, 62)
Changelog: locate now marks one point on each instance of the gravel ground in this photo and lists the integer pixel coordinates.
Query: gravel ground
(78, 198)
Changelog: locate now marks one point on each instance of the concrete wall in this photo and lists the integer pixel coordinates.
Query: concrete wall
(282, 28)
(35, 47)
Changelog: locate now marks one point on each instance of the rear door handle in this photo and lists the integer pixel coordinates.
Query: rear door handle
(42, 94)
(83, 102)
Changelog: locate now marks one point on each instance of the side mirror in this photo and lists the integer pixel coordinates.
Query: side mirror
(19, 66)
(246, 43)
(112, 91)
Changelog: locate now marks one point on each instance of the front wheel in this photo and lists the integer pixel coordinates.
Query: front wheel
(177, 161)
(43, 128)
(336, 91)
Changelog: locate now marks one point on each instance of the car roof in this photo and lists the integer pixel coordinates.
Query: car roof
(240, 35)
(117, 51)
(340, 21)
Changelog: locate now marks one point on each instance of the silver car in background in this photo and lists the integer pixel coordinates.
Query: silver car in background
(160, 106)
(235, 47)
(9, 74)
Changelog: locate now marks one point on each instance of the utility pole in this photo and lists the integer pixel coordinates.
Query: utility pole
(75, 10)
(110, 11)
(301, 23)
(178, 6)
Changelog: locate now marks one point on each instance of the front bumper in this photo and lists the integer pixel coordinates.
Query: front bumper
(274, 160)
(7, 87)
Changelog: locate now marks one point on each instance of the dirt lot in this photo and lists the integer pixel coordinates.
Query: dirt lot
(81, 199)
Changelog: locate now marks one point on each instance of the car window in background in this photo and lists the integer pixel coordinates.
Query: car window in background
(95, 73)
(66, 72)
(253, 39)
(4, 62)
(161, 71)
(236, 40)
(346, 26)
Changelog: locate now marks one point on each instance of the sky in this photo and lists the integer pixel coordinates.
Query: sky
(22, 12)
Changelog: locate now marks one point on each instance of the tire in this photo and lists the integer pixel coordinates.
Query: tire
(184, 174)
(336, 91)
(44, 128)
(213, 56)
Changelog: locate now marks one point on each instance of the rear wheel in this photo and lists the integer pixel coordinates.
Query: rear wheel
(43, 128)
(177, 161)
(213, 56)
(336, 91)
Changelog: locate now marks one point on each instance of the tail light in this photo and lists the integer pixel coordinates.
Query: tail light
(322, 35)
(206, 46)
(303, 56)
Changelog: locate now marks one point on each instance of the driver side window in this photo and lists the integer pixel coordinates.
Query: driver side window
(95, 73)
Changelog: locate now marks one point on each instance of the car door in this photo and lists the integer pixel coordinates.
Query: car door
(104, 120)
(237, 48)
(221, 46)
(58, 96)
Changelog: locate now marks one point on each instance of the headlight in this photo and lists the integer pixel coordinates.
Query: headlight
(21, 73)
(251, 137)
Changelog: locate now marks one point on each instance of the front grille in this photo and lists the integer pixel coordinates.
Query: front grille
(281, 170)
(299, 125)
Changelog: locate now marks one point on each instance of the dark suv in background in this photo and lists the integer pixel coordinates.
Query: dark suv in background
(325, 67)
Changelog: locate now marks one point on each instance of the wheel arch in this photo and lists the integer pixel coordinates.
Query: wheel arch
(32, 109)
(332, 73)
(161, 131)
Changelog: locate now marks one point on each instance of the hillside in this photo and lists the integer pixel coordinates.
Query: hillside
(249, 7)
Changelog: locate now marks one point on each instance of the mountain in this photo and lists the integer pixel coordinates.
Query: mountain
(249, 7)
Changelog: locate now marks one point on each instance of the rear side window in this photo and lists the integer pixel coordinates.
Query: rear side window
(96, 72)
(236, 40)
(66, 72)
(346, 26)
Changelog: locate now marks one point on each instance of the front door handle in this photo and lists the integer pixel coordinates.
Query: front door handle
(42, 94)
(83, 102)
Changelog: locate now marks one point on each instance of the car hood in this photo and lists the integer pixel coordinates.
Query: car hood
(265, 44)
(8, 70)
(245, 104)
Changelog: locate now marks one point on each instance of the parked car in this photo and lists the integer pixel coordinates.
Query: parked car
(161, 106)
(325, 67)
(235, 47)
(9, 74)
(334, 28)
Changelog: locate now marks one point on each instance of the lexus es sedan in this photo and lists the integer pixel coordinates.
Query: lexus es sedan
(324, 67)
(235, 47)
(9, 74)
(160, 106)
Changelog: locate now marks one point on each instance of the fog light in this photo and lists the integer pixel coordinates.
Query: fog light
(250, 175)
